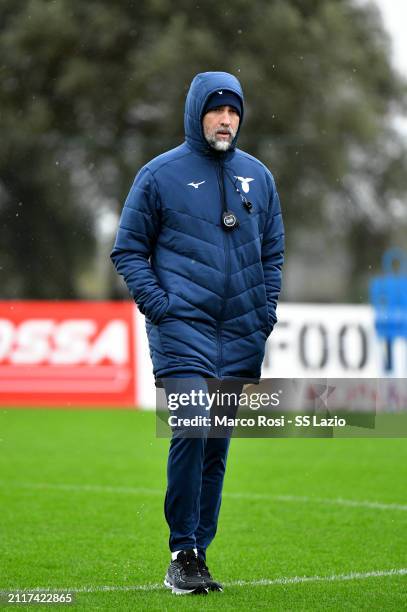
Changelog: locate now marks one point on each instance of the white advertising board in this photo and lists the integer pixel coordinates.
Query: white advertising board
(309, 341)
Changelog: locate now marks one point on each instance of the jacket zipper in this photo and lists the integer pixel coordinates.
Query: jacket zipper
(226, 246)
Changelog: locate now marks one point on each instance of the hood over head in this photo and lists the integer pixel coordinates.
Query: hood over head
(202, 87)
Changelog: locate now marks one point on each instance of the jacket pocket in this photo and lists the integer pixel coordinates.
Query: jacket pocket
(268, 324)
(167, 309)
(159, 313)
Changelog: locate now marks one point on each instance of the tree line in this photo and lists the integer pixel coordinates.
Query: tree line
(92, 90)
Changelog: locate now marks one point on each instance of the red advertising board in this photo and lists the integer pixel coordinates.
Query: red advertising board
(67, 354)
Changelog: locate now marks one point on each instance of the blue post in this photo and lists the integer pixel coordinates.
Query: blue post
(388, 295)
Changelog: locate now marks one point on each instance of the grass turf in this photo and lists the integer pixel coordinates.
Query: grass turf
(82, 496)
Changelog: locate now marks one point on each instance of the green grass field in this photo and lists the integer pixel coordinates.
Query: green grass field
(81, 509)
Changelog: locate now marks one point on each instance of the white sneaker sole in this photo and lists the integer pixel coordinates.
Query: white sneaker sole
(176, 591)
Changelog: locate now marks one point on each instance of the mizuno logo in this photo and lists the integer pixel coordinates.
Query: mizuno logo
(196, 185)
(245, 183)
(220, 92)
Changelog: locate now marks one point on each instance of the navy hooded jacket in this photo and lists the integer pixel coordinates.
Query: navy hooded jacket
(209, 295)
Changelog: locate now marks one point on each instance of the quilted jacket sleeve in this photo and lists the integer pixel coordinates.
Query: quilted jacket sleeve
(138, 230)
(273, 255)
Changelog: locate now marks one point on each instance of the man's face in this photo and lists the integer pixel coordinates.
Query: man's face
(220, 127)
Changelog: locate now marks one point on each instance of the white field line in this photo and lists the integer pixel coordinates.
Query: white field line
(234, 583)
(339, 501)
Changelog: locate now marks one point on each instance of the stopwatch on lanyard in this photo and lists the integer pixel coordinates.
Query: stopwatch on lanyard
(229, 220)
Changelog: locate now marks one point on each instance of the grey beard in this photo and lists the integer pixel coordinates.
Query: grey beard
(219, 145)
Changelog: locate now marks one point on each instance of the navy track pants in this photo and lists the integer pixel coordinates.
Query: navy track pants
(195, 471)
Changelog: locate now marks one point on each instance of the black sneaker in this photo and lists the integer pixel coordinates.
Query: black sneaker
(206, 575)
(183, 575)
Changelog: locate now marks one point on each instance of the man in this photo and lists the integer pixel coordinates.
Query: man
(200, 246)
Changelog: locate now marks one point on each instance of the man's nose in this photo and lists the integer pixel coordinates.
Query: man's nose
(225, 118)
